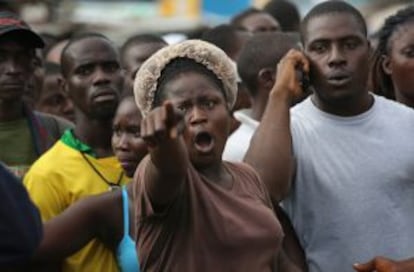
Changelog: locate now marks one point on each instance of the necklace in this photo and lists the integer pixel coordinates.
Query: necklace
(112, 186)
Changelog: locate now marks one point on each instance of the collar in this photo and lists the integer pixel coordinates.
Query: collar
(70, 140)
(243, 116)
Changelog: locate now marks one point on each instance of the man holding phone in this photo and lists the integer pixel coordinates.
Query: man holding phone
(342, 161)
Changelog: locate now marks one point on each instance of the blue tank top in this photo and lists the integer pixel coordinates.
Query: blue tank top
(126, 253)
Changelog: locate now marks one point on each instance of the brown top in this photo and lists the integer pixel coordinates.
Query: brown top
(208, 228)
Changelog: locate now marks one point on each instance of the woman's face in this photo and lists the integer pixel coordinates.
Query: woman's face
(205, 113)
(127, 144)
(399, 65)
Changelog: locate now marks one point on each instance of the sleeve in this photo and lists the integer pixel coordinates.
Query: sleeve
(264, 193)
(143, 205)
(47, 191)
(144, 208)
(255, 183)
(20, 224)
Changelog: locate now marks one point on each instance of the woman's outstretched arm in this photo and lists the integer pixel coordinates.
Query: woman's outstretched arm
(168, 164)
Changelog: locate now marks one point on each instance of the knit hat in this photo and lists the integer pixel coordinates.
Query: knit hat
(204, 53)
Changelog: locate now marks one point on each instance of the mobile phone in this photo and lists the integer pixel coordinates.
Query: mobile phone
(303, 77)
(304, 80)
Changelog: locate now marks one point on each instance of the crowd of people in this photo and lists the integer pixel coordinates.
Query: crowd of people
(271, 143)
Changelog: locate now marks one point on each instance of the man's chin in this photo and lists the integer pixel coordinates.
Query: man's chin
(337, 94)
(103, 114)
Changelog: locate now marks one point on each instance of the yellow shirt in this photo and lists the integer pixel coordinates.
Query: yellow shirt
(61, 177)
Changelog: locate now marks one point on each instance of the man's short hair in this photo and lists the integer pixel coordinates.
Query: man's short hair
(140, 39)
(224, 37)
(285, 12)
(263, 50)
(332, 7)
(76, 38)
(238, 19)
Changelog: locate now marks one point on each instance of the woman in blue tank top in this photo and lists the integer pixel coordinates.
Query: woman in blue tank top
(106, 216)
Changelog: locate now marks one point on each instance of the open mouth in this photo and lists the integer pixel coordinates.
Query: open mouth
(204, 142)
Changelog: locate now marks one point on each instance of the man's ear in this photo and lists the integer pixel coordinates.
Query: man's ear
(63, 86)
(266, 77)
(386, 64)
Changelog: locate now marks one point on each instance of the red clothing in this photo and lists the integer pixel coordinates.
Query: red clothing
(208, 227)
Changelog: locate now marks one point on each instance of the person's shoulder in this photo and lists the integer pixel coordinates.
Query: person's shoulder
(237, 144)
(242, 170)
(248, 179)
(243, 116)
(303, 116)
(49, 160)
(138, 178)
(52, 122)
(21, 234)
(243, 134)
(240, 134)
(305, 104)
(388, 105)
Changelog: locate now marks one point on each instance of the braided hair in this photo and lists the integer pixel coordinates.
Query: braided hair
(381, 82)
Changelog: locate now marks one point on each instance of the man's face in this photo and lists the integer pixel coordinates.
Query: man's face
(34, 84)
(53, 99)
(339, 56)
(16, 66)
(134, 57)
(93, 77)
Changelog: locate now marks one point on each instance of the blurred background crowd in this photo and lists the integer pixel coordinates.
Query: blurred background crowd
(189, 17)
(71, 140)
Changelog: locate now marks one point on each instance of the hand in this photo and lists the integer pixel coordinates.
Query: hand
(287, 74)
(380, 264)
(161, 124)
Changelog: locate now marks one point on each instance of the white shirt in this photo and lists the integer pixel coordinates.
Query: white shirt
(353, 193)
(238, 142)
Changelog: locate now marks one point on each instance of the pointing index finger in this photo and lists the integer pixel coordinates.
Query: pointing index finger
(171, 119)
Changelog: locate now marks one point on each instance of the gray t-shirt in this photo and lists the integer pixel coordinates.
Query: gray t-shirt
(353, 194)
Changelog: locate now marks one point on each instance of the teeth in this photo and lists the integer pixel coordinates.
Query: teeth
(203, 141)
